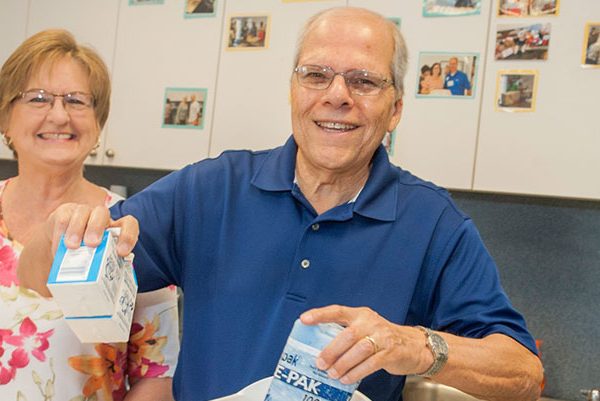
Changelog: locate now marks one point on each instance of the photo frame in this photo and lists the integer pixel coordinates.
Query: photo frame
(184, 108)
(523, 42)
(396, 20)
(447, 75)
(451, 8)
(516, 90)
(248, 32)
(388, 142)
(199, 8)
(145, 2)
(528, 8)
(590, 55)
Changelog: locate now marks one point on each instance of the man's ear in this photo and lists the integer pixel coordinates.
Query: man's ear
(397, 114)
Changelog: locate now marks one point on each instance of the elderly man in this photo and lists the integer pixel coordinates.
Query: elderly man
(324, 228)
(457, 81)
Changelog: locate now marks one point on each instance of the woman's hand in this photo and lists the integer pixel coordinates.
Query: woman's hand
(80, 222)
(77, 222)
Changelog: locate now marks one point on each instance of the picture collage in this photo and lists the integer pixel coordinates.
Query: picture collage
(523, 33)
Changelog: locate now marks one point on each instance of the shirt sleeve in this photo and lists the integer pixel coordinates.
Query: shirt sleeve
(153, 345)
(467, 83)
(156, 260)
(470, 300)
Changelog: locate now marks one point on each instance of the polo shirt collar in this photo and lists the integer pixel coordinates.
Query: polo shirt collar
(278, 169)
(379, 197)
(377, 200)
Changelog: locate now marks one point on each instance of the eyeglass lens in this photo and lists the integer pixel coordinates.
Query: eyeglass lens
(360, 82)
(41, 99)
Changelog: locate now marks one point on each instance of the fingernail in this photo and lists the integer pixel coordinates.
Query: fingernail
(73, 240)
(345, 380)
(333, 373)
(92, 239)
(306, 318)
(321, 363)
(123, 249)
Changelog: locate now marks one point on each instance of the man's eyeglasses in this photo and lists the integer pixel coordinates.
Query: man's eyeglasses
(43, 100)
(359, 82)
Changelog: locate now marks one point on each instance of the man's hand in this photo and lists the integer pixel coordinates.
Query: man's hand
(368, 343)
(495, 367)
(77, 222)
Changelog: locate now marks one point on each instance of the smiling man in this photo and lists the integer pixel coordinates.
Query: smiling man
(325, 228)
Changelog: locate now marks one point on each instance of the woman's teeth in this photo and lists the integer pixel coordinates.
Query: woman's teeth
(56, 136)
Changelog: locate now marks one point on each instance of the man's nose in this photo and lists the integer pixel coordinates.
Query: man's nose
(338, 94)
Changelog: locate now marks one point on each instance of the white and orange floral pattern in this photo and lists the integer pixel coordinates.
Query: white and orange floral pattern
(41, 359)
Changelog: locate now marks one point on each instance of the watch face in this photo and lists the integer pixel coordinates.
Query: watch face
(439, 345)
(439, 349)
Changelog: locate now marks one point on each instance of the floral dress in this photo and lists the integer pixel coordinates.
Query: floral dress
(42, 359)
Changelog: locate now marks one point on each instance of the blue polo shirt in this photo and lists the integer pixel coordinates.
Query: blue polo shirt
(457, 83)
(251, 254)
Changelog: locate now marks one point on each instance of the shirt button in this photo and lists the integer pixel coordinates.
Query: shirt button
(305, 264)
(315, 227)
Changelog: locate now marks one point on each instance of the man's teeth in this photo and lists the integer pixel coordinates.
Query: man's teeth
(336, 126)
(56, 136)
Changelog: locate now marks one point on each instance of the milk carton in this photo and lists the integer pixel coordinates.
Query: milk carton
(296, 376)
(113, 327)
(96, 289)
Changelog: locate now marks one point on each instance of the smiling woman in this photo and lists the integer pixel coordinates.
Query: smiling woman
(52, 134)
(54, 101)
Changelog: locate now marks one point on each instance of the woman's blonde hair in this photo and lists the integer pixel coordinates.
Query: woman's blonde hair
(50, 46)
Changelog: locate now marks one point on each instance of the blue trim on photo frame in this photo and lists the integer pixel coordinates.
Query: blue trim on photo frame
(145, 2)
(396, 20)
(168, 90)
(450, 54)
(477, 11)
(187, 15)
(392, 136)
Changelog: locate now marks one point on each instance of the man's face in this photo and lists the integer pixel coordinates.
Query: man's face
(338, 131)
(453, 64)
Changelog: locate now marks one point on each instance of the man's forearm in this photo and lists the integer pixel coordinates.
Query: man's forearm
(494, 368)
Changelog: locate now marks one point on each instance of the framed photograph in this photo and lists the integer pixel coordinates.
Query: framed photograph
(528, 8)
(396, 20)
(145, 2)
(522, 42)
(590, 57)
(516, 90)
(388, 142)
(450, 75)
(184, 108)
(199, 8)
(248, 32)
(451, 8)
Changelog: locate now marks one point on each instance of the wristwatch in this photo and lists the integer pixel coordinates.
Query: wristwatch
(439, 348)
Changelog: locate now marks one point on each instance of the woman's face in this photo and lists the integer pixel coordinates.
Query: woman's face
(437, 70)
(56, 135)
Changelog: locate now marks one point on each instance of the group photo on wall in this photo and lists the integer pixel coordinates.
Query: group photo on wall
(447, 74)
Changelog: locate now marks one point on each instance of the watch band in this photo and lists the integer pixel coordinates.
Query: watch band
(439, 348)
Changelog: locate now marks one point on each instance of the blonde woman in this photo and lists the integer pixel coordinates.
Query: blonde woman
(54, 101)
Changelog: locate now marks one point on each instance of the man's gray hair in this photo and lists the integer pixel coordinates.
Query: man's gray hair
(399, 58)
